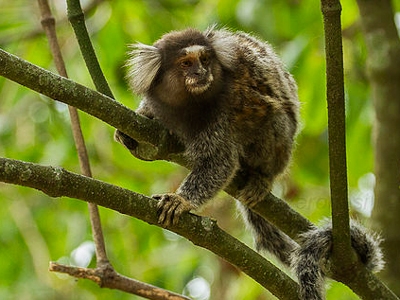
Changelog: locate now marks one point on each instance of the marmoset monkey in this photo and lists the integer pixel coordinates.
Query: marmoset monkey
(229, 99)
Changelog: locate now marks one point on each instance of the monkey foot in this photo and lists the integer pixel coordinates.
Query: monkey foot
(170, 208)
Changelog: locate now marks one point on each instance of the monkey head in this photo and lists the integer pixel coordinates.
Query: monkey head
(194, 65)
(180, 67)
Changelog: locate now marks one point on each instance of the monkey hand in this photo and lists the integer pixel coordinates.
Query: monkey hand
(170, 208)
(143, 151)
(125, 140)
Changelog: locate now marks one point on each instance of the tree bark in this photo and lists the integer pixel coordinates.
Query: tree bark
(383, 46)
(331, 11)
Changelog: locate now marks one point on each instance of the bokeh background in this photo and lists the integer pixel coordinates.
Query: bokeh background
(36, 229)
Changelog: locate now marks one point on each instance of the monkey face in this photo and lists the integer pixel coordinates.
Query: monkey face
(195, 65)
(180, 67)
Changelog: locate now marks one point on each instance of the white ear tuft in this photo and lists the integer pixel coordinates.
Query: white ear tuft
(225, 45)
(143, 65)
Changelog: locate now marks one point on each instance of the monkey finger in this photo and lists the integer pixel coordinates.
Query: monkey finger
(178, 211)
(125, 140)
(157, 196)
(170, 207)
(162, 206)
(172, 214)
(168, 217)
(162, 209)
(166, 209)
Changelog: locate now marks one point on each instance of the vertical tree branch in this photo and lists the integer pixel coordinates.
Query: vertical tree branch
(383, 61)
(331, 10)
(345, 266)
(48, 24)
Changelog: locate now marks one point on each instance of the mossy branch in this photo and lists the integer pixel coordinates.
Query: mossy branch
(157, 142)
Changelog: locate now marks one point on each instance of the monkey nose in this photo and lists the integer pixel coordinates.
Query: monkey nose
(200, 72)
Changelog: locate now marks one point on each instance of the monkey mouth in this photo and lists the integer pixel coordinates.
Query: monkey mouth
(197, 86)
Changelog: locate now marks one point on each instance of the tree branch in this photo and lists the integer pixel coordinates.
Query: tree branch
(331, 10)
(77, 20)
(108, 278)
(383, 61)
(155, 142)
(345, 265)
(204, 232)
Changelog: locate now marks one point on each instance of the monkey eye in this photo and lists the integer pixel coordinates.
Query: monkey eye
(186, 63)
(204, 60)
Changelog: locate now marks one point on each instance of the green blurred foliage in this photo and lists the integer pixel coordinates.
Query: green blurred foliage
(36, 229)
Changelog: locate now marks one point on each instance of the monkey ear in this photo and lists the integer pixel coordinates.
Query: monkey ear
(224, 43)
(143, 65)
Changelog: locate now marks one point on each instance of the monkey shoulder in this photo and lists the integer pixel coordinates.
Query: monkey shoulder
(260, 86)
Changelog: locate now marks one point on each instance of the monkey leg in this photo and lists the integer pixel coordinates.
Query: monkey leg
(267, 237)
(256, 188)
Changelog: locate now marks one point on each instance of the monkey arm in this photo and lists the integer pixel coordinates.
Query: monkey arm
(208, 176)
(215, 160)
(145, 109)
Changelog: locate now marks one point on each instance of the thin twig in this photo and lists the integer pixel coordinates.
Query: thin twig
(48, 24)
(108, 278)
(77, 20)
(35, 33)
(78, 23)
